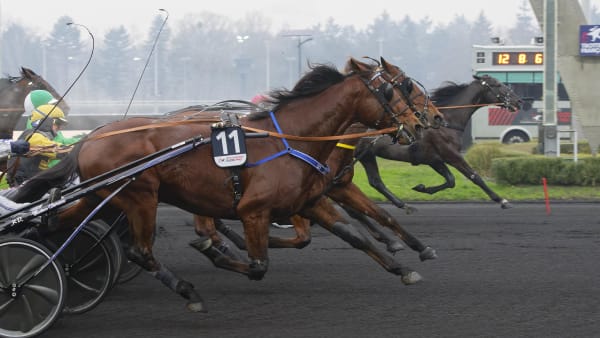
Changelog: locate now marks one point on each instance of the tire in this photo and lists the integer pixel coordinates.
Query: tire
(40, 300)
(515, 136)
(100, 228)
(88, 267)
(129, 269)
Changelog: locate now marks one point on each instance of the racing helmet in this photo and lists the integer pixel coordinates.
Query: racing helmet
(36, 98)
(55, 113)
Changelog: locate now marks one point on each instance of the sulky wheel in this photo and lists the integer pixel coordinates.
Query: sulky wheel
(29, 302)
(129, 269)
(100, 228)
(88, 266)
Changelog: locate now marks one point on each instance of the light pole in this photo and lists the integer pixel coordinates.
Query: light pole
(290, 60)
(380, 41)
(185, 60)
(300, 43)
(302, 36)
(268, 65)
(156, 76)
(243, 64)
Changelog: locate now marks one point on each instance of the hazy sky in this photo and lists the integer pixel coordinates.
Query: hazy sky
(136, 15)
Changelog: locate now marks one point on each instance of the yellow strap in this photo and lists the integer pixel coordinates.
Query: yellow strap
(345, 146)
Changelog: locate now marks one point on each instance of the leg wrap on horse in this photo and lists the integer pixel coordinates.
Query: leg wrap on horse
(166, 277)
(183, 288)
(350, 234)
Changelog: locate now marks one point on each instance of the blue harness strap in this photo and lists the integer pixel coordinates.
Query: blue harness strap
(323, 169)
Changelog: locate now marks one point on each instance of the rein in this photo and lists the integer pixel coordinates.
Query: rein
(271, 133)
(37, 150)
(468, 106)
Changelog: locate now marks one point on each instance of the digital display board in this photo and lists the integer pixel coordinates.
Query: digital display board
(517, 58)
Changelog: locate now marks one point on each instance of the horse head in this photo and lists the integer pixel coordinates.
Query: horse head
(495, 91)
(383, 94)
(415, 95)
(29, 81)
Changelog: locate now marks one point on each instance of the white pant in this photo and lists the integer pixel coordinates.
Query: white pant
(7, 205)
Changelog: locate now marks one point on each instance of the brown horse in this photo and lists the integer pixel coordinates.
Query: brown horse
(324, 102)
(13, 91)
(343, 191)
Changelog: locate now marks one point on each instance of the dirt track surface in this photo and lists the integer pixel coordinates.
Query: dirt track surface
(500, 273)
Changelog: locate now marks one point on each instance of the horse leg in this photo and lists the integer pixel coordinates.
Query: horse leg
(391, 242)
(461, 165)
(142, 221)
(350, 196)
(212, 246)
(369, 161)
(233, 236)
(302, 239)
(328, 217)
(256, 223)
(443, 170)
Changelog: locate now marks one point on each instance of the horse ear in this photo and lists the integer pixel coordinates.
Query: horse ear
(355, 65)
(477, 77)
(384, 63)
(26, 72)
(349, 66)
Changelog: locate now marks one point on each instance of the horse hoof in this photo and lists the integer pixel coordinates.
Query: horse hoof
(257, 269)
(410, 210)
(196, 307)
(504, 204)
(411, 278)
(419, 188)
(394, 247)
(428, 253)
(201, 243)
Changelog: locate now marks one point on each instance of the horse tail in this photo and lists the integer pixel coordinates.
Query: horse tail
(56, 177)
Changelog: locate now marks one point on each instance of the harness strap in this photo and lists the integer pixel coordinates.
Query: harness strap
(323, 169)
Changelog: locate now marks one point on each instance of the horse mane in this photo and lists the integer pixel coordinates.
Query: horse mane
(449, 90)
(320, 77)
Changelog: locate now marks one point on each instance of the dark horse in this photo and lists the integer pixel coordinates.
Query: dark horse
(440, 146)
(13, 90)
(324, 102)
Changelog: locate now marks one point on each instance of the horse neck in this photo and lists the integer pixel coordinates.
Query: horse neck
(471, 97)
(4, 83)
(328, 114)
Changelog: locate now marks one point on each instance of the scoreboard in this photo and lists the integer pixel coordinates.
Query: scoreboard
(517, 58)
(499, 57)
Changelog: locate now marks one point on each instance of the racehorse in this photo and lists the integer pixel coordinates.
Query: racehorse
(13, 91)
(324, 102)
(440, 146)
(343, 191)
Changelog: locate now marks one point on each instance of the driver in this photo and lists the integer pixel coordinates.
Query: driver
(43, 137)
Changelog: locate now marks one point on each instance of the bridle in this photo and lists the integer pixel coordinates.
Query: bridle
(384, 93)
(405, 85)
(501, 96)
